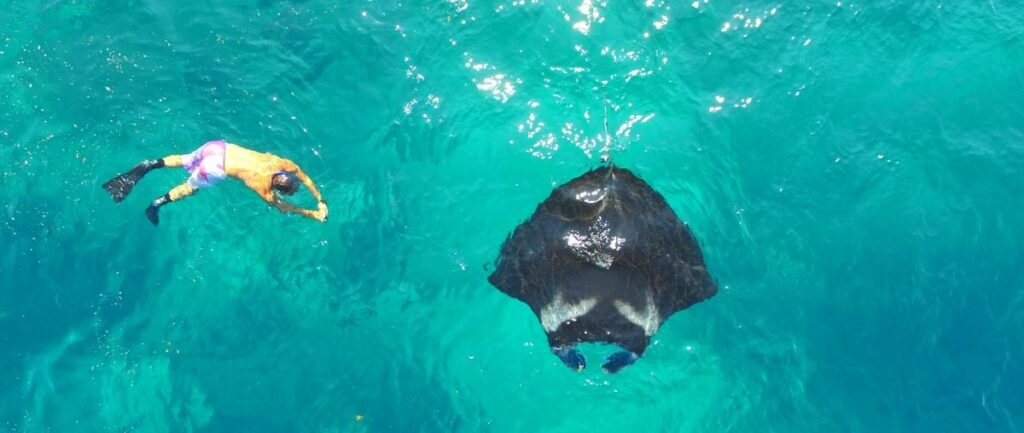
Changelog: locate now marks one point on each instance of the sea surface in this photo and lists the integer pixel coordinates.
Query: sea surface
(854, 171)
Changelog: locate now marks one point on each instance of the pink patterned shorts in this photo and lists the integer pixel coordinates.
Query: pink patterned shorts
(206, 164)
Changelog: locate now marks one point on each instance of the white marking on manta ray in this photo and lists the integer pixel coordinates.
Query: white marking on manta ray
(648, 319)
(597, 246)
(592, 196)
(558, 312)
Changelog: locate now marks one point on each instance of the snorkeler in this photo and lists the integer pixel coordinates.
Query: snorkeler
(265, 173)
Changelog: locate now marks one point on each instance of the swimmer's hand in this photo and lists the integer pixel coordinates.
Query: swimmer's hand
(321, 211)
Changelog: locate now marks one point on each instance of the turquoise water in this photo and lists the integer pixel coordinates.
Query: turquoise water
(852, 169)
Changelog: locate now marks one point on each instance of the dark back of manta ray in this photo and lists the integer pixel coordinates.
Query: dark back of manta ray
(604, 243)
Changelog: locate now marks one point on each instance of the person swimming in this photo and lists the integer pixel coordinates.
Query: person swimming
(267, 174)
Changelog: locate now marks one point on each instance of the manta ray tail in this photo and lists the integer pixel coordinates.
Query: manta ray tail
(610, 176)
(607, 157)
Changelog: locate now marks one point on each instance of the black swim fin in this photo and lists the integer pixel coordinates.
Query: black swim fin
(120, 186)
(153, 211)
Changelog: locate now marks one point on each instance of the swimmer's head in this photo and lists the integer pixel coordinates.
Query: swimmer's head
(285, 182)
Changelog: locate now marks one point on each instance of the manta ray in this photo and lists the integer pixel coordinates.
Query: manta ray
(603, 259)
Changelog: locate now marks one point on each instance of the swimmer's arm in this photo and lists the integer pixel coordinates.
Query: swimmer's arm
(321, 206)
(309, 184)
(272, 200)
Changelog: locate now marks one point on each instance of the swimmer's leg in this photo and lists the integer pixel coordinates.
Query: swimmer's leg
(121, 185)
(172, 160)
(571, 357)
(179, 192)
